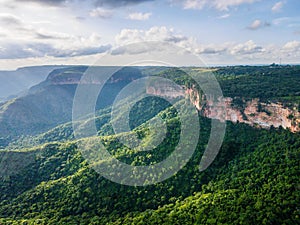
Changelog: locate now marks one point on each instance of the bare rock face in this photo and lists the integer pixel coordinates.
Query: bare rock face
(165, 91)
(195, 97)
(253, 112)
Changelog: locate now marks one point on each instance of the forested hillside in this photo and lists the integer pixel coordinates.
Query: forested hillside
(46, 180)
(253, 180)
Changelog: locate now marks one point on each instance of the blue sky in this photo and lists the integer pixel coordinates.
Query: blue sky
(37, 32)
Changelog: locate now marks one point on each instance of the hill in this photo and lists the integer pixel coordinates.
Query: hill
(253, 180)
(49, 103)
(45, 178)
(17, 82)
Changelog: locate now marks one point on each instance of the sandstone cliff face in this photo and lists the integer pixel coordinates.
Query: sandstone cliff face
(254, 112)
(165, 90)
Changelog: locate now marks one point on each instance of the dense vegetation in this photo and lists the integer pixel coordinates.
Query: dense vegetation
(267, 83)
(50, 103)
(253, 180)
(44, 178)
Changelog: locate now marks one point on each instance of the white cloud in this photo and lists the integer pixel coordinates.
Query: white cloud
(292, 46)
(101, 13)
(277, 6)
(139, 16)
(24, 40)
(9, 20)
(229, 49)
(289, 52)
(60, 36)
(38, 49)
(16, 29)
(222, 5)
(246, 48)
(224, 16)
(256, 24)
(195, 4)
(128, 36)
(153, 34)
(251, 52)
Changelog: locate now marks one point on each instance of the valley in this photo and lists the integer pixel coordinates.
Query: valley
(45, 178)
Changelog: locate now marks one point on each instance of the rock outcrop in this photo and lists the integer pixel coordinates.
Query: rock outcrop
(252, 112)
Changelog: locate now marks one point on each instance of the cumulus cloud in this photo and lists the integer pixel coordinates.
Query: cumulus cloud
(231, 49)
(246, 48)
(153, 34)
(139, 16)
(163, 34)
(245, 52)
(256, 24)
(22, 40)
(277, 6)
(79, 46)
(101, 13)
(292, 46)
(222, 5)
(290, 51)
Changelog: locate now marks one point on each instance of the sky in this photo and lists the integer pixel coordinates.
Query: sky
(219, 32)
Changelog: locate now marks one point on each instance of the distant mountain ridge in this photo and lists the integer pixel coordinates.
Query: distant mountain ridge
(16, 82)
(49, 103)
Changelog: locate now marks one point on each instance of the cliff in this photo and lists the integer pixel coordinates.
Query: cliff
(253, 112)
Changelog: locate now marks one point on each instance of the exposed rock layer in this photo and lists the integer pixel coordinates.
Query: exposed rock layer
(253, 112)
